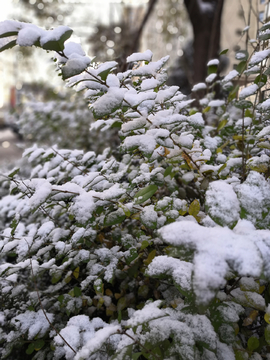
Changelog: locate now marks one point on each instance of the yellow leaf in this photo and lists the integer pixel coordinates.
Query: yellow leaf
(76, 272)
(150, 257)
(194, 208)
(109, 292)
(117, 295)
(166, 151)
(68, 279)
(267, 318)
(222, 124)
(261, 289)
(251, 317)
(206, 109)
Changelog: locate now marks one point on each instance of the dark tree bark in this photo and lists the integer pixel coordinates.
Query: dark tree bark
(205, 17)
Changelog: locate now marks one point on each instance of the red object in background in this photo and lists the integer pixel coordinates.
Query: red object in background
(12, 97)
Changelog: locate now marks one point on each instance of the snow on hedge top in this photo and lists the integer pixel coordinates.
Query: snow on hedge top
(145, 56)
(217, 250)
(259, 56)
(248, 91)
(29, 34)
(213, 62)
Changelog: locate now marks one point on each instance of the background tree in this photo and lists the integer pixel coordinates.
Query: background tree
(205, 17)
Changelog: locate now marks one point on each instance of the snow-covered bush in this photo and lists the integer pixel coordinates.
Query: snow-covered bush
(64, 122)
(159, 253)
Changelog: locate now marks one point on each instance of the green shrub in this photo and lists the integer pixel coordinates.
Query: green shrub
(161, 252)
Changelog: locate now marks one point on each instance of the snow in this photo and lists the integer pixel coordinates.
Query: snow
(199, 86)
(164, 95)
(83, 206)
(213, 62)
(150, 69)
(265, 131)
(29, 35)
(95, 343)
(54, 35)
(112, 81)
(259, 56)
(134, 99)
(112, 99)
(33, 323)
(145, 56)
(210, 78)
(134, 124)
(149, 84)
(150, 311)
(222, 203)
(145, 143)
(231, 75)
(216, 103)
(265, 105)
(196, 119)
(9, 26)
(248, 91)
(247, 122)
(217, 249)
(181, 271)
(252, 70)
(240, 56)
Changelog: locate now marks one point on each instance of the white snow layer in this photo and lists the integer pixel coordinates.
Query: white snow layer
(217, 250)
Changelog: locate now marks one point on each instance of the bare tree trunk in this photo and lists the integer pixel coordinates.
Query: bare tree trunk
(205, 17)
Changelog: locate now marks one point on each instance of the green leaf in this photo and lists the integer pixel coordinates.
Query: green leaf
(104, 74)
(144, 245)
(233, 93)
(222, 124)
(124, 354)
(9, 45)
(13, 173)
(77, 291)
(30, 349)
(264, 36)
(267, 334)
(260, 79)
(115, 217)
(168, 171)
(253, 343)
(132, 255)
(38, 344)
(241, 66)
(9, 33)
(223, 52)
(14, 225)
(212, 69)
(136, 356)
(60, 298)
(122, 303)
(145, 194)
(56, 277)
(58, 45)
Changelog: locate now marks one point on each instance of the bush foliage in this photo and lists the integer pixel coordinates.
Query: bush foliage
(159, 252)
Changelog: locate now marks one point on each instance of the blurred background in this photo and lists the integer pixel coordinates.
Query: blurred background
(36, 107)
